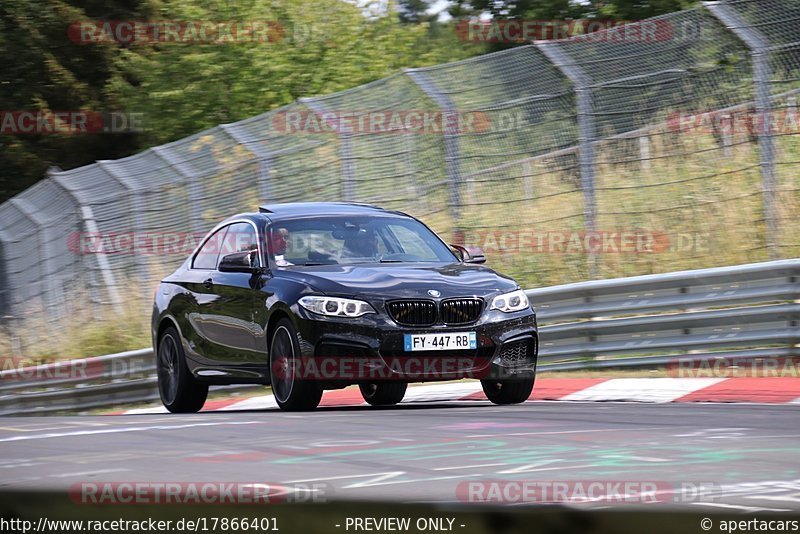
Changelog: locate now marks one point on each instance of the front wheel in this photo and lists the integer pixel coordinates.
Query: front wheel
(508, 391)
(180, 392)
(383, 393)
(291, 393)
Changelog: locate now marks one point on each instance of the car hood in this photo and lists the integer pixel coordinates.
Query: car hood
(401, 280)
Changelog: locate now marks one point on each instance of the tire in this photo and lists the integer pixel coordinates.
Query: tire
(180, 392)
(383, 393)
(508, 391)
(291, 394)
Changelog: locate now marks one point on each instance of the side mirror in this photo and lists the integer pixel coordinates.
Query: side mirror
(470, 254)
(240, 262)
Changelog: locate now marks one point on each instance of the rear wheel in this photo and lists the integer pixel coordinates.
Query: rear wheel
(180, 392)
(291, 393)
(508, 391)
(383, 393)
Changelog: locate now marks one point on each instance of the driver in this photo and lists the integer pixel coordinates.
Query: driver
(363, 245)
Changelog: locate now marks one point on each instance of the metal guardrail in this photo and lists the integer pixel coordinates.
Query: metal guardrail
(743, 312)
(102, 381)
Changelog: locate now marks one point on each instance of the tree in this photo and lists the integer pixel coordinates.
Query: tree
(43, 70)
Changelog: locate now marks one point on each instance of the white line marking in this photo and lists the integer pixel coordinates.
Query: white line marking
(120, 430)
(740, 507)
(430, 479)
(556, 432)
(640, 458)
(527, 467)
(82, 473)
(380, 476)
(559, 468)
(468, 466)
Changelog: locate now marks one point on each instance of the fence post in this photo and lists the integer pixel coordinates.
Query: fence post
(644, 152)
(90, 226)
(345, 147)
(5, 288)
(451, 155)
(45, 280)
(527, 178)
(263, 156)
(759, 52)
(586, 136)
(192, 186)
(138, 210)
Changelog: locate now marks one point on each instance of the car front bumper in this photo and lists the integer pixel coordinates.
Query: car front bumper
(342, 350)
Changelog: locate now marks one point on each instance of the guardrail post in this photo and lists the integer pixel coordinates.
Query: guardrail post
(451, 154)
(586, 135)
(345, 148)
(263, 156)
(759, 52)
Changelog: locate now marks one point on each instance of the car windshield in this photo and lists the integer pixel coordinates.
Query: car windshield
(350, 240)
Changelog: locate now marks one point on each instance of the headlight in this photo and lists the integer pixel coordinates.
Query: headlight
(336, 307)
(510, 302)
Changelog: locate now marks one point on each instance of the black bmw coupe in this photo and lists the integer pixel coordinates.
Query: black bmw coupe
(315, 296)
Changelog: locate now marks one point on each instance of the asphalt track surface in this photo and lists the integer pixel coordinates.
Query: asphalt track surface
(723, 457)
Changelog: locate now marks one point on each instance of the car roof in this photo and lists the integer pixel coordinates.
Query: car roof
(303, 209)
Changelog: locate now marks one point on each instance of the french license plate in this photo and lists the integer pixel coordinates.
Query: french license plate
(448, 341)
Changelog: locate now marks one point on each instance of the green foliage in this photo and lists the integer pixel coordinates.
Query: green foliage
(325, 46)
(43, 70)
(181, 88)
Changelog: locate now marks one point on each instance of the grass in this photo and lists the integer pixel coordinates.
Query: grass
(82, 332)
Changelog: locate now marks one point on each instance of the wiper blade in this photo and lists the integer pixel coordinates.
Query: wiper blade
(391, 261)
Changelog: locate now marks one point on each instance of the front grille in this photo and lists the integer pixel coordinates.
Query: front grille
(461, 311)
(515, 352)
(412, 312)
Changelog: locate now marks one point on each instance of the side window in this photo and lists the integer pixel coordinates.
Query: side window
(241, 237)
(208, 255)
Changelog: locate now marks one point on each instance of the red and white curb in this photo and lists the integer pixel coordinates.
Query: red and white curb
(779, 390)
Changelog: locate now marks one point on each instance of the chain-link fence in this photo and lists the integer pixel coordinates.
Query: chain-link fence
(666, 144)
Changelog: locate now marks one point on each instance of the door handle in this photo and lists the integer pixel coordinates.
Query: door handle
(208, 284)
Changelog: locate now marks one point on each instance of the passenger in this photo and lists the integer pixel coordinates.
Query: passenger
(280, 241)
